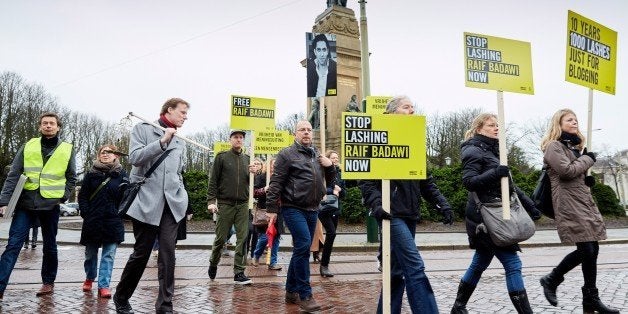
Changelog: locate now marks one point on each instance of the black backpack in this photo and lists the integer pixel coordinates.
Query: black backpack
(542, 195)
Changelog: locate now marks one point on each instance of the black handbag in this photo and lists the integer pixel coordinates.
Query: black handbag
(542, 195)
(129, 190)
(329, 205)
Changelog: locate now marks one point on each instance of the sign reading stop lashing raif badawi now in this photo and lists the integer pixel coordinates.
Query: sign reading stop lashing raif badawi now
(271, 142)
(498, 64)
(591, 54)
(376, 104)
(383, 146)
(252, 113)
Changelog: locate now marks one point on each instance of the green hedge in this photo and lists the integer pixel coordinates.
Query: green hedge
(196, 185)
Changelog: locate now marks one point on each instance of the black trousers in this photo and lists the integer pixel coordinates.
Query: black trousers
(145, 235)
(330, 223)
(585, 254)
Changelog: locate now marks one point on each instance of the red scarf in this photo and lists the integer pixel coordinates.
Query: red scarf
(167, 122)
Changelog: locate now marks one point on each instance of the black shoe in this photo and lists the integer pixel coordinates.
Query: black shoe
(315, 258)
(325, 271)
(465, 291)
(122, 306)
(550, 283)
(591, 302)
(520, 301)
(241, 279)
(212, 272)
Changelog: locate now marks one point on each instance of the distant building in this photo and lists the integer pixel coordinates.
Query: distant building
(613, 172)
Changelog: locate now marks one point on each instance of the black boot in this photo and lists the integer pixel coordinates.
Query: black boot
(591, 302)
(549, 283)
(465, 291)
(520, 301)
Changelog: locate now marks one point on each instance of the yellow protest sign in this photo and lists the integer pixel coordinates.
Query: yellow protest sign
(383, 146)
(271, 142)
(591, 54)
(376, 104)
(498, 64)
(252, 113)
(221, 147)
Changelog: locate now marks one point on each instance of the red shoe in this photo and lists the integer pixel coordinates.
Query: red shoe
(104, 293)
(87, 285)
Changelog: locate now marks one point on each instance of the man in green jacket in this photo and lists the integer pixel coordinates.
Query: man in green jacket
(228, 196)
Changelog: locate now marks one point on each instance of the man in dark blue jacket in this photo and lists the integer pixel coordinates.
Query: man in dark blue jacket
(407, 267)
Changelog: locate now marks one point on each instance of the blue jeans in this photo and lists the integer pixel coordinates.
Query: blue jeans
(509, 259)
(262, 242)
(407, 271)
(301, 224)
(20, 226)
(106, 263)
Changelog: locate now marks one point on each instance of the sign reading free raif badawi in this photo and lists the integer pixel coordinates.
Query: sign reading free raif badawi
(383, 146)
(591, 54)
(252, 113)
(271, 142)
(498, 64)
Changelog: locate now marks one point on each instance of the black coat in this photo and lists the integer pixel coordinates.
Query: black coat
(480, 158)
(101, 223)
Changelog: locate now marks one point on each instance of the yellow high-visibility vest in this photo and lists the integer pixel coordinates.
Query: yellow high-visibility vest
(49, 178)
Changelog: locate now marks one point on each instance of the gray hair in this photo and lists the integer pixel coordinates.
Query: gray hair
(395, 102)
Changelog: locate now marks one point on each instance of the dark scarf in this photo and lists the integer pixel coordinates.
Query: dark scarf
(113, 168)
(165, 122)
(49, 142)
(492, 144)
(571, 140)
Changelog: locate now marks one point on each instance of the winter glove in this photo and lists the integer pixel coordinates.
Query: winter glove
(448, 217)
(502, 171)
(379, 213)
(590, 154)
(535, 214)
(589, 181)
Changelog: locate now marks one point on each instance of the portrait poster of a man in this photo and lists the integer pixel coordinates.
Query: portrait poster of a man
(321, 64)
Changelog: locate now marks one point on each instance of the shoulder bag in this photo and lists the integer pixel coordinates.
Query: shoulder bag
(542, 195)
(518, 228)
(129, 190)
(329, 205)
(259, 217)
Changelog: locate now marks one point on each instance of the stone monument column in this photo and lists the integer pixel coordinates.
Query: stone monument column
(342, 22)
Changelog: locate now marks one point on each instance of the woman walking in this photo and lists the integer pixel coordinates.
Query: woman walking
(259, 192)
(329, 218)
(577, 218)
(102, 227)
(482, 174)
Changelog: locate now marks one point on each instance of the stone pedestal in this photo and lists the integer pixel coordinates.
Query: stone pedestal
(342, 22)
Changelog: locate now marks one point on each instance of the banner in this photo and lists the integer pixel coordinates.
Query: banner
(591, 54)
(383, 146)
(498, 64)
(321, 64)
(251, 113)
(376, 104)
(221, 147)
(271, 142)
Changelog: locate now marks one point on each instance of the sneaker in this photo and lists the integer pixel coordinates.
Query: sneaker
(274, 267)
(241, 279)
(87, 285)
(212, 272)
(309, 305)
(292, 297)
(45, 289)
(104, 293)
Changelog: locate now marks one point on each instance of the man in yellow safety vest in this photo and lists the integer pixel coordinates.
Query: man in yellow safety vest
(49, 165)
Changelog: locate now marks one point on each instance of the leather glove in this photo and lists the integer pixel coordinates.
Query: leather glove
(535, 214)
(502, 171)
(590, 154)
(379, 213)
(589, 181)
(448, 217)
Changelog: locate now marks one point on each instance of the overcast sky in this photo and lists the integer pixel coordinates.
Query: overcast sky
(111, 57)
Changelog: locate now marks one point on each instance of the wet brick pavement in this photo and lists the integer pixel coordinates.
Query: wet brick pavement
(354, 289)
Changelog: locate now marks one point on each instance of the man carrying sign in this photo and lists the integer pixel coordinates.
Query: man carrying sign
(407, 267)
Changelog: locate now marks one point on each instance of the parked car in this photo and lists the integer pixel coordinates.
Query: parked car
(69, 209)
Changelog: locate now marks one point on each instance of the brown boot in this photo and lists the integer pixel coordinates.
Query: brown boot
(309, 305)
(292, 298)
(45, 289)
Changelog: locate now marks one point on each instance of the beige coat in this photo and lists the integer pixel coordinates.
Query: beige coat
(577, 217)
